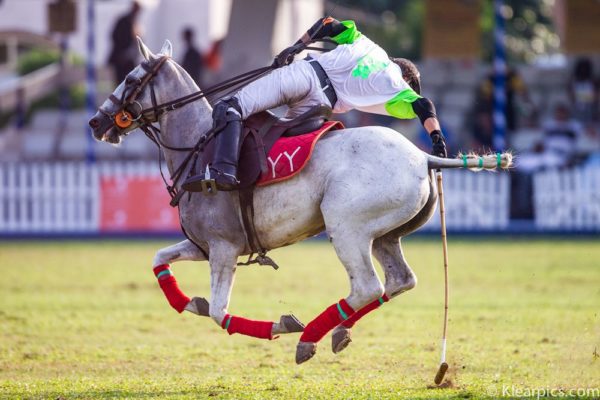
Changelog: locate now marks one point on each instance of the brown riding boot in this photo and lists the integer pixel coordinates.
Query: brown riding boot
(224, 167)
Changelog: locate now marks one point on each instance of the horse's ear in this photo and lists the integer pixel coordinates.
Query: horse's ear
(167, 49)
(144, 50)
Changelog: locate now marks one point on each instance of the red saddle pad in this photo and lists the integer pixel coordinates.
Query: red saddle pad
(289, 155)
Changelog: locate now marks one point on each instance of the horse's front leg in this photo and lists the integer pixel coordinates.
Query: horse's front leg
(185, 250)
(182, 251)
(223, 266)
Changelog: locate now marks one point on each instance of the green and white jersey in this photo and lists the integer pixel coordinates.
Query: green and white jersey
(364, 77)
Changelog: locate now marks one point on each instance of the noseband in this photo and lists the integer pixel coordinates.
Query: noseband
(129, 109)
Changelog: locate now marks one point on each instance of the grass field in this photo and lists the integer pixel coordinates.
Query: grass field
(87, 320)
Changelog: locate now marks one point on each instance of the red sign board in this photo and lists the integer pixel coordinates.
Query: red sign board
(136, 204)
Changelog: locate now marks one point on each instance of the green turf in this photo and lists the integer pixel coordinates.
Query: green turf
(87, 320)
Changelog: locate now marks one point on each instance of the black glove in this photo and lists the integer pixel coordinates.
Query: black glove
(287, 56)
(439, 144)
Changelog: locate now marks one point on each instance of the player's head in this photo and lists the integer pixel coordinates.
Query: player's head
(135, 7)
(410, 73)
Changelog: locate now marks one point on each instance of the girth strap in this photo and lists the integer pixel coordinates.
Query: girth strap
(247, 206)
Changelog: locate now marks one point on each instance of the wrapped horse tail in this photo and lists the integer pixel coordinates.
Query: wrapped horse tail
(474, 162)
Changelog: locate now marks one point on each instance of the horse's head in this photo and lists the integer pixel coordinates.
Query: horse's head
(123, 111)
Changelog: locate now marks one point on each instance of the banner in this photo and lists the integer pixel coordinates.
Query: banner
(581, 27)
(136, 204)
(452, 29)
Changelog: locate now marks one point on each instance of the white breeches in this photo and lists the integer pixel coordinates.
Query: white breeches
(295, 85)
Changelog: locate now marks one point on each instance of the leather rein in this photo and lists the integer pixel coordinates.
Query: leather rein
(130, 111)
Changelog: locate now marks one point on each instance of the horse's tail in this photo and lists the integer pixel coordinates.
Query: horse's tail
(472, 161)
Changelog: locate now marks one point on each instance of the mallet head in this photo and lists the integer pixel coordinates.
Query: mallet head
(440, 374)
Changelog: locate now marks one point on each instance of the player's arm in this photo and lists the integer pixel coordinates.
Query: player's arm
(407, 105)
(344, 32)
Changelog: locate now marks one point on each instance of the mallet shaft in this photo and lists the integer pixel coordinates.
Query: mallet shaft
(443, 365)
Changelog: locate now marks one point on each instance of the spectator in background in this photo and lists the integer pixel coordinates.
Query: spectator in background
(192, 60)
(124, 53)
(556, 150)
(20, 109)
(483, 124)
(517, 103)
(583, 90)
(560, 138)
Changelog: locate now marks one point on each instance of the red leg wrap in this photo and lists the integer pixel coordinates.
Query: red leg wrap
(349, 323)
(326, 321)
(248, 327)
(177, 299)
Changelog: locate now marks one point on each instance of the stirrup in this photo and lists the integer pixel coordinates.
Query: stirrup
(208, 184)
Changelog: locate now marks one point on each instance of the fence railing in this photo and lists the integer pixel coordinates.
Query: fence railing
(567, 200)
(474, 201)
(57, 197)
(75, 198)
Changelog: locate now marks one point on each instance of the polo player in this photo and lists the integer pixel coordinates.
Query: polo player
(357, 74)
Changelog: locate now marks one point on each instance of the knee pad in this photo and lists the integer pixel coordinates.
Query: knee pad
(226, 110)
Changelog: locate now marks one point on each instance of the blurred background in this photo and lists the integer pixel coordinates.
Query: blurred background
(504, 74)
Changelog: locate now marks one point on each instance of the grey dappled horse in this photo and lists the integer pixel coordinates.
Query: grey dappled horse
(366, 187)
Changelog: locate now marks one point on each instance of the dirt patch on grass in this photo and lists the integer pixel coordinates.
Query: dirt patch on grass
(447, 384)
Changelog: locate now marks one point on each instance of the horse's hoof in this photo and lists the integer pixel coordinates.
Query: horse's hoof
(341, 338)
(291, 324)
(305, 351)
(198, 306)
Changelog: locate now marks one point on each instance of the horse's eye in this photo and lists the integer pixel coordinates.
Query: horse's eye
(130, 80)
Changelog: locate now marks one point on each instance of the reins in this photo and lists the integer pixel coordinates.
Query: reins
(244, 78)
(130, 111)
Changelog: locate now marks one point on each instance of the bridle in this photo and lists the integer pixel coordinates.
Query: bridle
(126, 114)
(130, 111)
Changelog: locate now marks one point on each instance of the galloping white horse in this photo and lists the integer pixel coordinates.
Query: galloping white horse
(366, 187)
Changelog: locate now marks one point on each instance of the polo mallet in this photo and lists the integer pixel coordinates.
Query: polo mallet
(443, 364)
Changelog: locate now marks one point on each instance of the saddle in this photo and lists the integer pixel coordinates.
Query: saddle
(259, 134)
(262, 130)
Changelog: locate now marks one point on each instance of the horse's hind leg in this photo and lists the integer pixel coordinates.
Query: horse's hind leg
(355, 253)
(185, 250)
(398, 275)
(399, 278)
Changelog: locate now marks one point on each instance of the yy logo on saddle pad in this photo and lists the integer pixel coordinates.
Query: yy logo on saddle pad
(289, 157)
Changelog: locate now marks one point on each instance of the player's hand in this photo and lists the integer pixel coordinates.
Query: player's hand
(439, 144)
(287, 56)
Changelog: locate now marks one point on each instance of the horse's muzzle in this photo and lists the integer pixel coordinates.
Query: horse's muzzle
(103, 128)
